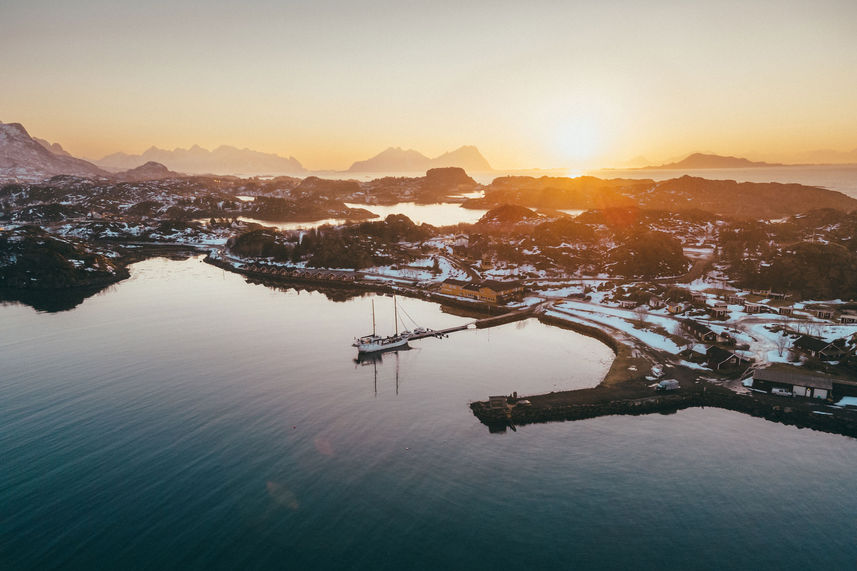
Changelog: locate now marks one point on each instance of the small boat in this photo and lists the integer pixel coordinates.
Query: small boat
(375, 343)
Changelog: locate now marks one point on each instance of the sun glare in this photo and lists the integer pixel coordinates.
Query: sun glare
(578, 140)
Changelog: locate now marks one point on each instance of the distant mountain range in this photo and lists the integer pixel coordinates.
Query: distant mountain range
(196, 160)
(712, 161)
(28, 159)
(398, 160)
(705, 161)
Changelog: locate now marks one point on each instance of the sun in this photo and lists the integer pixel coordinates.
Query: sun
(578, 139)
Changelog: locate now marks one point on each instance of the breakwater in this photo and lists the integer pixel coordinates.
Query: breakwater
(601, 401)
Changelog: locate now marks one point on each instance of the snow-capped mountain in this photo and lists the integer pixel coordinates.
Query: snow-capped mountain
(25, 159)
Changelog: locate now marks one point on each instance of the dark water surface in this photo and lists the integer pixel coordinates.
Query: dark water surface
(184, 419)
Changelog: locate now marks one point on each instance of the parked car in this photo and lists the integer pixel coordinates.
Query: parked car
(781, 392)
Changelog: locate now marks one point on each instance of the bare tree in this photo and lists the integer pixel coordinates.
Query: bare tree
(782, 342)
(640, 313)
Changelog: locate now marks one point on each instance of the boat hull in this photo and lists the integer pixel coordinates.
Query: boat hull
(380, 345)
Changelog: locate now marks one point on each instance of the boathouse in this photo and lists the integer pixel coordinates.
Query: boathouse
(492, 291)
(797, 383)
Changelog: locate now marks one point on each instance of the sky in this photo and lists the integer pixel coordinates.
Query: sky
(532, 84)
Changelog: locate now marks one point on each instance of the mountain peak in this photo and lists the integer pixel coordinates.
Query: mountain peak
(710, 161)
(150, 171)
(396, 160)
(24, 158)
(224, 159)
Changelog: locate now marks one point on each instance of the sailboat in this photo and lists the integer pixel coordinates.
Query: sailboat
(375, 343)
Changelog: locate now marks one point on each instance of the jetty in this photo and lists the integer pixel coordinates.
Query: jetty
(510, 317)
(500, 413)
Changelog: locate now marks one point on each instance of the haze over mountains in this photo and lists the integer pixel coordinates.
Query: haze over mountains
(196, 160)
(709, 161)
(230, 160)
(396, 159)
(27, 158)
(713, 161)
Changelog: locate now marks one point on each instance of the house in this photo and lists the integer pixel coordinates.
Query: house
(753, 307)
(819, 348)
(776, 295)
(492, 291)
(675, 307)
(497, 402)
(719, 312)
(786, 310)
(627, 303)
(699, 298)
(704, 333)
(821, 313)
(721, 359)
(656, 302)
(460, 241)
(848, 318)
(798, 383)
(735, 300)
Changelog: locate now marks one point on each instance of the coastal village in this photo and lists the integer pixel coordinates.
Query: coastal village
(679, 295)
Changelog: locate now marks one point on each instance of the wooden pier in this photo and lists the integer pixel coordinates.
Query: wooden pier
(510, 317)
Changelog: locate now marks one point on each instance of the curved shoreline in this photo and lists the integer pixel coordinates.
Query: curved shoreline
(625, 390)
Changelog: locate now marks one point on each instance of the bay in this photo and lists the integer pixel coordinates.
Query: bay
(187, 419)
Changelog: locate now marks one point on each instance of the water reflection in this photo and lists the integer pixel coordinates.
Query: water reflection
(375, 359)
(52, 300)
(337, 294)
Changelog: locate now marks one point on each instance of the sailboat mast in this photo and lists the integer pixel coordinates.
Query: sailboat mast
(373, 316)
(396, 314)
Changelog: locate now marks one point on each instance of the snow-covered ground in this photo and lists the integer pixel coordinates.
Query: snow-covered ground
(625, 320)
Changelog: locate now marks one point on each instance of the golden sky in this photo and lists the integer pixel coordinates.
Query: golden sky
(532, 84)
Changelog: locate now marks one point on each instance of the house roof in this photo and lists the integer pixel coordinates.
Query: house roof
(495, 285)
(793, 378)
(697, 327)
(718, 355)
(811, 343)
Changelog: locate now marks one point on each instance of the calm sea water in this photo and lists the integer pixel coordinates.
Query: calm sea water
(440, 214)
(834, 177)
(185, 419)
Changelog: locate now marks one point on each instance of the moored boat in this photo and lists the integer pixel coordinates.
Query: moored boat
(375, 343)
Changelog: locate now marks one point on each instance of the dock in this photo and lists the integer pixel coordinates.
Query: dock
(494, 321)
